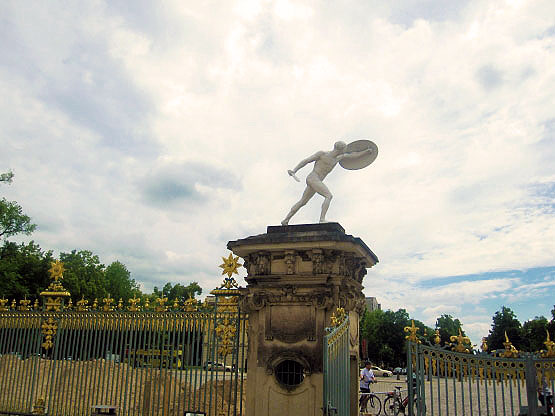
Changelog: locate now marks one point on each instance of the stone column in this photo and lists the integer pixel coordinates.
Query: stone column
(297, 276)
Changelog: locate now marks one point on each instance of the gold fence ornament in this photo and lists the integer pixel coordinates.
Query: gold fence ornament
(69, 304)
(484, 346)
(82, 305)
(3, 307)
(510, 350)
(49, 328)
(175, 305)
(14, 304)
(550, 345)
(95, 304)
(230, 265)
(161, 307)
(36, 305)
(56, 270)
(227, 304)
(462, 342)
(56, 274)
(226, 331)
(108, 304)
(55, 293)
(134, 304)
(437, 338)
(412, 330)
(24, 304)
(120, 304)
(338, 317)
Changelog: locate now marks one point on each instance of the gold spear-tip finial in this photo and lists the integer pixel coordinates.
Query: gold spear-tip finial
(412, 329)
(437, 338)
(230, 265)
(550, 345)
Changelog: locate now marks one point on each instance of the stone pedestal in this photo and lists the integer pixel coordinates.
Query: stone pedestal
(297, 277)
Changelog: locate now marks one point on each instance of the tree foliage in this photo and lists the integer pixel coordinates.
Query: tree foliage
(12, 219)
(119, 283)
(384, 332)
(448, 327)
(178, 291)
(23, 270)
(534, 333)
(505, 320)
(84, 275)
(6, 177)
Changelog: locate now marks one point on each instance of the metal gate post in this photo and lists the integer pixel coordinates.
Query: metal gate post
(410, 370)
(531, 386)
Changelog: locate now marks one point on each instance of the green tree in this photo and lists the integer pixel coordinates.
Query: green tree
(12, 219)
(23, 270)
(6, 177)
(118, 282)
(448, 327)
(180, 292)
(551, 324)
(384, 332)
(84, 276)
(534, 334)
(505, 320)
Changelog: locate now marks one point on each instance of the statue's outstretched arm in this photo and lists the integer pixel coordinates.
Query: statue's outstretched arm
(306, 161)
(354, 155)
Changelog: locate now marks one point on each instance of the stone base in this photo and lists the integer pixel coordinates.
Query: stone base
(297, 277)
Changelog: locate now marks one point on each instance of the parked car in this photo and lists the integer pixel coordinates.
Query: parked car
(209, 365)
(380, 372)
(399, 370)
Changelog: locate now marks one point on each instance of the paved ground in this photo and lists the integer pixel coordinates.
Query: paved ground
(453, 397)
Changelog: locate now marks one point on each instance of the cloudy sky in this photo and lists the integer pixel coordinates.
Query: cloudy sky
(154, 132)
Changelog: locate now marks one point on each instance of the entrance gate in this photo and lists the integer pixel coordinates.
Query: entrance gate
(162, 359)
(336, 366)
(461, 381)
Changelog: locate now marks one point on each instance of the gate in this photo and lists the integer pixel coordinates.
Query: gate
(169, 358)
(456, 380)
(336, 366)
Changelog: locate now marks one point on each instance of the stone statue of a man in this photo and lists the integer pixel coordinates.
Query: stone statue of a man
(324, 162)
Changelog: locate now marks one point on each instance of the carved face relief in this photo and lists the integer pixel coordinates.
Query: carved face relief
(290, 262)
(317, 262)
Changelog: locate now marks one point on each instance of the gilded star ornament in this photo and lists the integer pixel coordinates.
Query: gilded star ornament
(230, 265)
(56, 270)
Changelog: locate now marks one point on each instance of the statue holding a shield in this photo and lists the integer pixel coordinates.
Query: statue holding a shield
(355, 155)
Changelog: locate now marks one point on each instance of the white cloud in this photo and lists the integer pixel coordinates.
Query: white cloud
(459, 103)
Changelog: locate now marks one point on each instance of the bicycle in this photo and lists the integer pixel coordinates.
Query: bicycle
(395, 403)
(373, 405)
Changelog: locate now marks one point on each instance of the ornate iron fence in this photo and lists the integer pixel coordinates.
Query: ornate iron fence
(336, 366)
(457, 380)
(162, 359)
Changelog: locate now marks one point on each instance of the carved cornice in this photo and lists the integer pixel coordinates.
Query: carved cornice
(258, 299)
(316, 262)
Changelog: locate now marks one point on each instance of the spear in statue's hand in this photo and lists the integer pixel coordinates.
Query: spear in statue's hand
(292, 174)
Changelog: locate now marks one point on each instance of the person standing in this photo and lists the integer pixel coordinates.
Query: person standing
(366, 377)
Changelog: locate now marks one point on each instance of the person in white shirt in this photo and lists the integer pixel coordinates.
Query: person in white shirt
(366, 377)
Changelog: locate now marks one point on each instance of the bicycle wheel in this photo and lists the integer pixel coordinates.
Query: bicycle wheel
(391, 406)
(374, 405)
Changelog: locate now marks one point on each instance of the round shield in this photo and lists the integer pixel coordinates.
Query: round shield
(362, 160)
